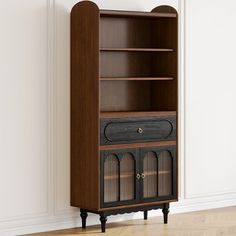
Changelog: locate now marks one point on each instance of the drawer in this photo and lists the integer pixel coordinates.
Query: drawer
(131, 130)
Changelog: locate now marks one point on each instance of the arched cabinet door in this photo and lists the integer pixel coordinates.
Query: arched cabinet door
(158, 172)
(150, 175)
(111, 178)
(119, 185)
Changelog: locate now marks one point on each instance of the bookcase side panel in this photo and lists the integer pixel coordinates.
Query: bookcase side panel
(85, 186)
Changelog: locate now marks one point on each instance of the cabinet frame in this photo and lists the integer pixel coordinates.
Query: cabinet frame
(129, 72)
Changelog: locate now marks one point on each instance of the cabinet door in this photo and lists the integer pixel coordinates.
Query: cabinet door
(119, 184)
(158, 172)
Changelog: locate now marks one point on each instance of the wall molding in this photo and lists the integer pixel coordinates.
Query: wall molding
(183, 162)
(49, 137)
(51, 104)
(210, 194)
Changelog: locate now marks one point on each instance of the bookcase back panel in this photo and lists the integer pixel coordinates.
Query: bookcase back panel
(164, 95)
(137, 64)
(138, 95)
(164, 33)
(164, 64)
(125, 95)
(125, 64)
(125, 32)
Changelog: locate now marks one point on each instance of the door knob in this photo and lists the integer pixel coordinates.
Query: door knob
(140, 130)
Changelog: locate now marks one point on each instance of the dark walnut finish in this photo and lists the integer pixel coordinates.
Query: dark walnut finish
(85, 189)
(124, 110)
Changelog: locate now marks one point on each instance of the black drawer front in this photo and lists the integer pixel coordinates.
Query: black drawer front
(131, 130)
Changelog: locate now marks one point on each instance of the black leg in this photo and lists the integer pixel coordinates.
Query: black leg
(165, 211)
(145, 213)
(83, 214)
(103, 220)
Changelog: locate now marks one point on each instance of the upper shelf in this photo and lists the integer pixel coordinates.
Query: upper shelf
(137, 49)
(108, 13)
(134, 78)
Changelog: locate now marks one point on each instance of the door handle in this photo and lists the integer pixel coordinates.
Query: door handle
(138, 176)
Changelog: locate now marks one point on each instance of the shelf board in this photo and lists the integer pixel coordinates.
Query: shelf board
(137, 145)
(131, 174)
(137, 49)
(109, 13)
(163, 172)
(128, 175)
(134, 78)
(119, 114)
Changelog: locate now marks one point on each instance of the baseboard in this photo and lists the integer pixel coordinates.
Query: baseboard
(64, 222)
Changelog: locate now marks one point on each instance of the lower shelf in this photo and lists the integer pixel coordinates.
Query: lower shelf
(137, 145)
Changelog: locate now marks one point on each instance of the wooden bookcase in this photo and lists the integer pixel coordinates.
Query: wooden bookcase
(124, 110)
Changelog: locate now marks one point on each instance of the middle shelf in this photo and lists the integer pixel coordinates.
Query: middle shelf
(137, 49)
(134, 78)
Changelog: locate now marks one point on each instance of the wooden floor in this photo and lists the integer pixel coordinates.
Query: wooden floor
(218, 222)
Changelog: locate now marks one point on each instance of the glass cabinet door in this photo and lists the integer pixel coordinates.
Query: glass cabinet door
(111, 178)
(127, 177)
(165, 174)
(158, 172)
(149, 175)
(118, 177)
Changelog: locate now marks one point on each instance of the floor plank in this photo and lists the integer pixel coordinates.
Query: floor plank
(217, 222)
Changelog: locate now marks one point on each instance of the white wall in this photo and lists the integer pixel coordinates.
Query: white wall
(34, 98)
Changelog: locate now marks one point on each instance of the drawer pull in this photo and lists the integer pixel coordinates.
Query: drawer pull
(143, 175)
(138, 176)
(140, 130)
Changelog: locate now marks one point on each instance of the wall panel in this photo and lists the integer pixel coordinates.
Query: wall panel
(24, 109)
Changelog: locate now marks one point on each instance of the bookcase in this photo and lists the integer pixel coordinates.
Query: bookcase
(124, 110)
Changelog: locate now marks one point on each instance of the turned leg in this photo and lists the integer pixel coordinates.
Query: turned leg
(103, 220)
(145, 213)
(165, 211)
(83, 214)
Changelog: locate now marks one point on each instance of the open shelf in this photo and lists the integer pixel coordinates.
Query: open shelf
(138, 96)
(137, 33)
(109, 13)
(130, 64)
(138, 49)
(136, 114)
(135, 78)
